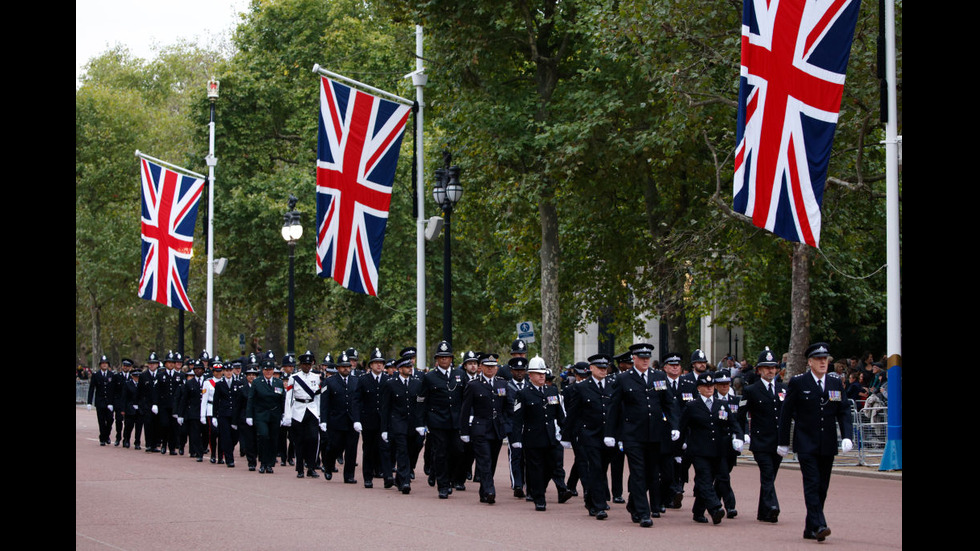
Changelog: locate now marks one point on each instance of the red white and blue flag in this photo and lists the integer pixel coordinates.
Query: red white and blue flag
(794, 59)
(357, 152)
(169, 213)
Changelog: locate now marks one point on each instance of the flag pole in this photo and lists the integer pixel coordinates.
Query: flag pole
(398, 99)
(211, 161)
(176, 168)
(419, 79)
(892, 457)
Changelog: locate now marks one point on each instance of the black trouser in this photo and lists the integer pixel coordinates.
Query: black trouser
(195, 446)
(372, 459)
(446, 454)
(768, 467)
(212, 433)
(516, 462)
(589, 464)
(267, 438)
(168, 429)
(132, 420)
(342, 441)
(617, 461)
(120, 422)
(709, 473)
(540, 464)
(227, 450)
(816, 471)
(105, 423)
(305, 435)
(246, 435)
(399, 446)
(644, 481)
(727, 495)
(485, 453)
(151, 424)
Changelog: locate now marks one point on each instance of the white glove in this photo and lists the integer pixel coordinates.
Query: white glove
(214, 422)
(783, 451)
(566, 444)
(88, 407)
(174, 415)
(358, 427)
(609, 442)
(420, 430)
(204, 420)
(516, 445)
(684, 446)
(675, 435)
(180, 421)
(110, 407)
(287, 421)
(557, 430)
(323, 427)
(155, 409)
(846, 445)
(234, 427)
(748, 439)
(249, 421)
(737, 444)
(465, 438)
(678, 459)
(620, 445)
(384, 436)
(136, 406)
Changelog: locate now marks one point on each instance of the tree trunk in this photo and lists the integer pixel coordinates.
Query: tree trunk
(800, 324)
(550, 335)
(96, 310)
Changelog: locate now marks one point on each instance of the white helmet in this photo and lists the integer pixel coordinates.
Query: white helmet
(536, 365)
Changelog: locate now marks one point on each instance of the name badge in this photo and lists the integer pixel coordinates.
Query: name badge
(782, 396)
(277, 390)
(552, 399)
(723, 414)
(659, 385)
(834, 395)
(420, 398)
(687, 396)
(501, 392)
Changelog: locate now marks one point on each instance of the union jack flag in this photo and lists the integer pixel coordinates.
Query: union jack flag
(358, 145)
(169, 213)
(794, 59)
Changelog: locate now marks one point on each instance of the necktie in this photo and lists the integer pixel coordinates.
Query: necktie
(772, 390)
(820, 385)
(708, 403)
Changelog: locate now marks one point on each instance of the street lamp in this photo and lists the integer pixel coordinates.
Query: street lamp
(292, 230)
(447, 193)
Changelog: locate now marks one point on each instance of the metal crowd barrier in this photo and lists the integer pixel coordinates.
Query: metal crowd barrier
(81, 391)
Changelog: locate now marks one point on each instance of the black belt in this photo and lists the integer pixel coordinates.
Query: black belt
(303, 400)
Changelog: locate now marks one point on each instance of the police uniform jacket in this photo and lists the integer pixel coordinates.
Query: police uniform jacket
(642, 412)
(443, 398)
(147, 391)
(189, 403)
(265, 402)
(817, 415)
(764, 409)
(167, 386)
(225, 395)
(116, 390)
(401, 405)
(130, 397)
(340, 406)
(241, 401)
(100, 388)
(587, 408)
(298, 400)
(535, 414)
(485, 407)
(708, 433)
(369, 395)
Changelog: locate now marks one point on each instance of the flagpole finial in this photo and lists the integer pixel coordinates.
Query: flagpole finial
(137, 152)
(213, 89)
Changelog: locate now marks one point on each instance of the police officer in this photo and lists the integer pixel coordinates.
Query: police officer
(148, 396)
(642, 416)
(189, 409)
(223, 415)
(518, 369)
(303, 405)
(537, 420)
(592, 439)
(401, 416)
(246, 432)
(100, 393)
(483, 422)
(815, 401)
(684, 391)
(375, 462)
(762, 401)
(131, 406)
(723, 389)
(207, 407)
(340, 417)
(443, 392)
(265, 412)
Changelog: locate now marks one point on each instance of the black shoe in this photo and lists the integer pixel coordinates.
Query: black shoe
(282, 462)
(605, 507)
(732, 513)
(469, 476)
(809, 535)
(678, 498)
(137, 447)
(116, 444)
(645, 522)
(231, 464)
(619, 499)
(491, 499)
(327, 476)
(601, 515)
(574, 493)
(564, 495)
(460, 487)
(633, 516)
(443, 493)
(700, 519)
(340, 460)
(221, 461)
(389, 483)
(518, 492)
(181, 452)
(528, 498)
(300, 475)
(350, 481)
(368, 484)
(163, 451)
(663, 509)
(426, 469)
(312, 473)
(406, 488)
(172, 452)
(213, 460)
(411, 475)
(250, 467)
(821, 533)
(268, 470)
(126, 444)
(540, 507)
(774, 515)
(262, 469)
(717, 515)
(655, 514)
(200, 458)
(293, 463)
(101, 443)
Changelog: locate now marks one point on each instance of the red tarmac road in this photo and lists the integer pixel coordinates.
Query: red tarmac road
(126, 499)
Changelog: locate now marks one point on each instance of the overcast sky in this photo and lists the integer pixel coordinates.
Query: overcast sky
(142, 25)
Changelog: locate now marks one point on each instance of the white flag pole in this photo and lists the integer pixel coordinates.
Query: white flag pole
(211, 161)
(397, 99)
(176, 168)
(419, 79)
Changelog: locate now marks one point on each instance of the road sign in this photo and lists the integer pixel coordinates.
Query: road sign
(525, 330)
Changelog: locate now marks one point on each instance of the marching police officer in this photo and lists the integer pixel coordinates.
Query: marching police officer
(303, 405)
(484, 422)
(762, 401)
(401, 417)
(265, 412)
(340, 411)
(443, 392)
(100, 393)
(375, 457)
